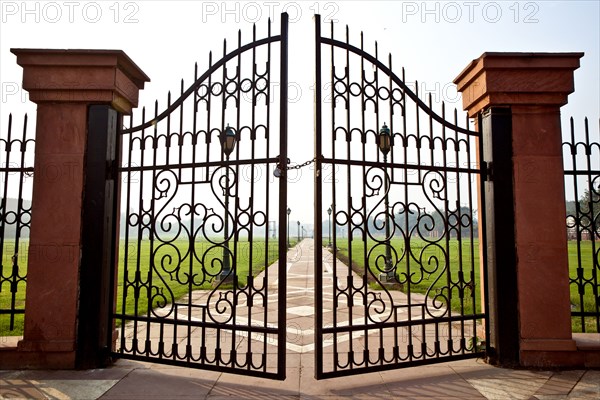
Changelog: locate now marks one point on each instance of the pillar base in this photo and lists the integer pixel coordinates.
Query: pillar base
(552, 359)
(582, 352)
(15, 358)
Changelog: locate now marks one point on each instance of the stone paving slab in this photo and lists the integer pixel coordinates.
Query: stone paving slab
(90, 384)
(470, 379)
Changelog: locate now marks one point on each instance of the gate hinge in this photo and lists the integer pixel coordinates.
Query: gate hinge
(488, 170)
(111, 169)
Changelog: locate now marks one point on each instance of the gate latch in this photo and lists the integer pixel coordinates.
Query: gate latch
(488, 169)
(279, 169)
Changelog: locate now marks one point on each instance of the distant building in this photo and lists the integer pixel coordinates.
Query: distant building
(572, 228)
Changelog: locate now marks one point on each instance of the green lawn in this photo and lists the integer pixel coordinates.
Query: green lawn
(176, 271)
(172, 280)
(587, 297)
(419, 283)
(5, 288)
(426, 268)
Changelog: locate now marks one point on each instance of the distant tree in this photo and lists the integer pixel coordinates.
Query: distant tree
(571, 208)
(451, 227)
(589, 208)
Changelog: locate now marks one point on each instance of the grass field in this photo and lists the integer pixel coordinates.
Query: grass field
(587, 297)
(432, 273)
(175, 281)
(422, 283)
(258, 263)
(176, 271)
(6, 272)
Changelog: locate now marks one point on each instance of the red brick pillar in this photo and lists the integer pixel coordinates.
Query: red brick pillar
(64, 84)
(517, 98)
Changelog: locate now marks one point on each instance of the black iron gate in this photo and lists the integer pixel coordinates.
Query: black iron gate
(400, 186)
(195, 284)
(201, 281)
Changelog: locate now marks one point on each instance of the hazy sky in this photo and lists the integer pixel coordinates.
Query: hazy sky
(434, 41)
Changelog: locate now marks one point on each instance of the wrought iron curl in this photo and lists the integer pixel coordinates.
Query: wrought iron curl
(220, 305)
(226, 186)
(433, 264)
(379, 310)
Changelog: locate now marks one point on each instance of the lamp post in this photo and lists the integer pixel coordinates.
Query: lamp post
(384, 142)
(329, 212)
(288, 227)
(228, 141)
(298, 231)
(303, 232)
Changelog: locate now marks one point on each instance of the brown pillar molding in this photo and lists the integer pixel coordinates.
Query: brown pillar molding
(63, 83)
(531, 87)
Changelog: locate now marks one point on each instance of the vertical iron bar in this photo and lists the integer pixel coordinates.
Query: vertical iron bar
(151, 234)
(483, 246)
(125, 285)
(208, 116)
(334, 192)
(191, 242)
(249, 281)
(578, 228)
(283, 141)
(268, 187)
(236, 204)
(349, 285)
(137, 277)
(365, 271)
(474, 284)
(448, 231)
(460, 277)
(4, 208)
(590, 209)
(318, 204)
(579, 270)
(16, 276)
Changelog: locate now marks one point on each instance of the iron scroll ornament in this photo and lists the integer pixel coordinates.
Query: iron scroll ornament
(431, 259)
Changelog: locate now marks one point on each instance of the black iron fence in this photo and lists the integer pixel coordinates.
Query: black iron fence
(581, 155)
(16, 173)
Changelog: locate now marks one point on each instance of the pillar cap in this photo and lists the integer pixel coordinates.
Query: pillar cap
(89, 76)
(505, 79)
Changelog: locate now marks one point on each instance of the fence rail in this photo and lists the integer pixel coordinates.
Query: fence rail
(581, 155)
(16, 173)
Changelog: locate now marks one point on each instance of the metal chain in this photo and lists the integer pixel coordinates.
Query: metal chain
(278, 168)
(301, 165)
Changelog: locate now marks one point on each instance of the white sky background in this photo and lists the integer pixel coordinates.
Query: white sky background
(434, 41)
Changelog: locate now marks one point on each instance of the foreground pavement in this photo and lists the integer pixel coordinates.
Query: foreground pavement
(462, 380)
(468, 379)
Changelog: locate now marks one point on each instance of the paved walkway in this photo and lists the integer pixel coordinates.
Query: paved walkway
(469, 379)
